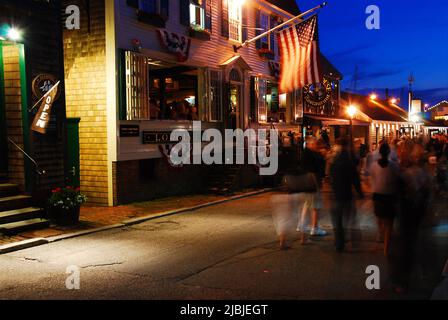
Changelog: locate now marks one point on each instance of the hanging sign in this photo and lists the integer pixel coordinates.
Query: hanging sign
(175, 43)
(42, 117)
(318, 94)
(42, 83)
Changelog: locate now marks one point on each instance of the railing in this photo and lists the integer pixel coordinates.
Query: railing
(36, 166)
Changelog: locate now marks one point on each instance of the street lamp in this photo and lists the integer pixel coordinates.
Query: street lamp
(14, 34)
(393, 100)
(373, 96)
(351, 110)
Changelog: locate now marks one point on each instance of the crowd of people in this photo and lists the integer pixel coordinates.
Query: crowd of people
(400, 174)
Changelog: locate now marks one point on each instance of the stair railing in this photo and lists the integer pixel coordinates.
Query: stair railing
(36, 165)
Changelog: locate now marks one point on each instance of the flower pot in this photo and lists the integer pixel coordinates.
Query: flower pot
(65, 217)
(199, 34)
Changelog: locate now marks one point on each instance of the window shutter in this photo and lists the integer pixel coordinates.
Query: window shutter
(244, 23)
(208, 14)
(253, 100)
(272, 24)
(184, 12)
(257, 25)
(164, 9)
(225, 18)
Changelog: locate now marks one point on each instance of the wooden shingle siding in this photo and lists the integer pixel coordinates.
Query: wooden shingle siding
(85, 78)
(13, 107)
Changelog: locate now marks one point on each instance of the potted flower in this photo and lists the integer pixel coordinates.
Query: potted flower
(196, 31)
(266, 53)
(65, 204)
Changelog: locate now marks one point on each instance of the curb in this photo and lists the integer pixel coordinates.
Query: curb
(25, 244)
(34, 242)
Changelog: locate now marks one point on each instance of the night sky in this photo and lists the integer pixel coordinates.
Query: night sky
(413, 38)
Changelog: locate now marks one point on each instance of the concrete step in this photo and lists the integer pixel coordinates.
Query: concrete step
(26, 225)
(14, 202)
(19, 215)
(8, 189)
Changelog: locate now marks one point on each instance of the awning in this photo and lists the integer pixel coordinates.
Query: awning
(317, 120)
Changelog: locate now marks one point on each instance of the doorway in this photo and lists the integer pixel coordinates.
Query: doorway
(233, 112)
(13, 114)
(3, 134)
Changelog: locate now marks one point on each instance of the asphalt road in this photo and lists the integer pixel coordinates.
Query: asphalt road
(227, 251)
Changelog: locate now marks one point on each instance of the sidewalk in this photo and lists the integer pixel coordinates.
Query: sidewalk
(97, 217)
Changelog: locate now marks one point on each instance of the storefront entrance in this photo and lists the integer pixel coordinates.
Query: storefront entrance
(234, 106)
(233, 110)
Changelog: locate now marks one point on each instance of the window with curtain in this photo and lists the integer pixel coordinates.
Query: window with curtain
(197, 13)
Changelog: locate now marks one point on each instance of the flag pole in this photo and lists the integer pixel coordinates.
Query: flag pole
(264, 34)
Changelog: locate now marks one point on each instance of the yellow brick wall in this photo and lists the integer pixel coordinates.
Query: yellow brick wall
(85, 87)
(13, 106)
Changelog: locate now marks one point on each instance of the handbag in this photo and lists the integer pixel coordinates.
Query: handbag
(305, 182)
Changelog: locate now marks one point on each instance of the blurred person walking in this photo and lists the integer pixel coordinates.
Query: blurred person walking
(343, 175)
(385, 177)
(414, 196)
(312, 162)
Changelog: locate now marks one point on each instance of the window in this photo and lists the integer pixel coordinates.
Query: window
(271, 107)
(153, 12)
(136, 73)
(197, 14)
(215, 96)
(264, 24)
(235, 19)
(149, 6)
(158, 90)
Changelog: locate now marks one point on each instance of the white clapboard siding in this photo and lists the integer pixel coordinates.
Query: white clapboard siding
(202, 53)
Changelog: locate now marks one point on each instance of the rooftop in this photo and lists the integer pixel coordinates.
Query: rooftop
(376, 109)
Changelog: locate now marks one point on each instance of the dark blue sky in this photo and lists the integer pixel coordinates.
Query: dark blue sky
(413, 38)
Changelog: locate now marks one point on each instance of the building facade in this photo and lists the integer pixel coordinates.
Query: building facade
(32, 163)
(136, 70)
(377, 120)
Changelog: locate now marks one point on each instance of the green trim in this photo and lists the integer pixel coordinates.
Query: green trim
(3, 141)
(29, 177)
(121, 84)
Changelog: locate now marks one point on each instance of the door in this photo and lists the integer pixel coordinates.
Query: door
(3, 141)
(72, 160)
(234, 106)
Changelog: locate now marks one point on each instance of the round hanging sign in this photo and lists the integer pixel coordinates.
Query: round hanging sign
(42, 83)
(318, 94)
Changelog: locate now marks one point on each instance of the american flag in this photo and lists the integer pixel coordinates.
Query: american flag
(299, 55)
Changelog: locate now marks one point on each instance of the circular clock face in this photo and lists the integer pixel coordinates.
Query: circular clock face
(318, 94)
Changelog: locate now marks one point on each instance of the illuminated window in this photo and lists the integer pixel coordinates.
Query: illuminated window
(197, 14)
(235, 19)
